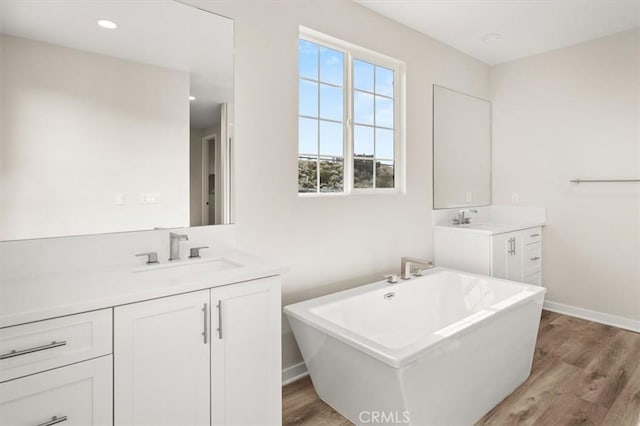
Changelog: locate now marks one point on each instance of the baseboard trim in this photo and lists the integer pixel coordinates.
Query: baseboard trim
(595, 316)
(294, 373)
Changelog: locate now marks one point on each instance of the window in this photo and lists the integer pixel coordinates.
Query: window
(321, 119)
(348, 114)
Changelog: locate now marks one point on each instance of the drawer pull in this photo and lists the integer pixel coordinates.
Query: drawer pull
(51, 345)
(219, 306)
(54, 421)
(535, 258)
(534, 235)
(205, 333)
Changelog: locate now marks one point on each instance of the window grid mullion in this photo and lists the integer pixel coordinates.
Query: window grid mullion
(348, 116)
(311, 80)
(372, 93)
(318, 128)
(367, 125)
(375, 134)
(322, 119)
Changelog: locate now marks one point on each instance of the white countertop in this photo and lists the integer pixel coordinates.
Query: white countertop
(57, 294)
(489, 228)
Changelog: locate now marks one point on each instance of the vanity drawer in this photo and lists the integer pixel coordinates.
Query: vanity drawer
(532, 258)
(78, 394)
(30, 348)
(533, 235)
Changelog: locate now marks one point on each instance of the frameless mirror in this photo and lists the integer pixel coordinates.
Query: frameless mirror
(115, 116)
(461, 150)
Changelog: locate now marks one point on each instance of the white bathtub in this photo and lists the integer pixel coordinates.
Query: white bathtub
(442, 349)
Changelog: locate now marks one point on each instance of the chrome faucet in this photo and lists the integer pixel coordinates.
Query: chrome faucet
(174, 245)
(461, 219)
(406, 267)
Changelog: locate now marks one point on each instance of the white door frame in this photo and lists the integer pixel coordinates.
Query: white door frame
(225, 164)
(223, 171)
(206, 142)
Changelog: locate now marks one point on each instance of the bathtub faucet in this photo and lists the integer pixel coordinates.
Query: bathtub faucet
(407, 265)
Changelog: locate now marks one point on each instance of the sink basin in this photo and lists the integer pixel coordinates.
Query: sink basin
(185, 270)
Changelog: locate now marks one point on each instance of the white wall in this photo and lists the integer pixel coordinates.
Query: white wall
(569, 113)
(329, 243)
(80, 127)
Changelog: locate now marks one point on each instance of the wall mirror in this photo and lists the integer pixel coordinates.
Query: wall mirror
(115, 116)
(461, 150)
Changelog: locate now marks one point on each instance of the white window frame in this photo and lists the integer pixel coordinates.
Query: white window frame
(353, 52)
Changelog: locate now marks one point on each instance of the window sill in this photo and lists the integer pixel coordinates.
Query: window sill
(354, 192)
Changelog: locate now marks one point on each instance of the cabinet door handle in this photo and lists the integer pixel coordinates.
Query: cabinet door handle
(15, 352)
(54, 421)
(534, 235)
(219, 306)
(514, 246)
(205, 333)
(535, 258)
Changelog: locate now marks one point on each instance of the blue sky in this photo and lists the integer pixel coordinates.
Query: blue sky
(326, 66)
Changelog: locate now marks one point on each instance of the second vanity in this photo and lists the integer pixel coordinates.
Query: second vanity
(194, 342)
(503, 242)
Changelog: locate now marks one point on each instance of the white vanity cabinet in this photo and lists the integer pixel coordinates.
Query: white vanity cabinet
(79, 394)
(207, 357)
(57, 371)
(515, 255)
(185, 347)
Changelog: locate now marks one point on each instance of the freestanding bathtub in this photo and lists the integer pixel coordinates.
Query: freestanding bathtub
(441, 349)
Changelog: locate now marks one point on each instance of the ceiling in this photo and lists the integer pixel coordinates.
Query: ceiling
(162, 33)
(525, 27)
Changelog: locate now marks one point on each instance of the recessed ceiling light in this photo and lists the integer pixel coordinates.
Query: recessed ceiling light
(105, 23)
(487, 38)
(192, 98)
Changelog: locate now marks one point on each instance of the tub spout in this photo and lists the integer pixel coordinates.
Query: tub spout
(407, 264)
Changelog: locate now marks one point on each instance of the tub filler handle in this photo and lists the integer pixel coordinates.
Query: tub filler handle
(392, 278)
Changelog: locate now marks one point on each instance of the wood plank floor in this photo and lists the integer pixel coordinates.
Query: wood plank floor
(584, 373)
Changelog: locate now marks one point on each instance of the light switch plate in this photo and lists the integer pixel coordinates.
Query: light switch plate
(515, 198)
(149, 198)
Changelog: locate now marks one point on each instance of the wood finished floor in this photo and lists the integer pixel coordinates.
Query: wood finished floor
(584, 373)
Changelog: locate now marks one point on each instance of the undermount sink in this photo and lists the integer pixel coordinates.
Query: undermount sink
(185, 269)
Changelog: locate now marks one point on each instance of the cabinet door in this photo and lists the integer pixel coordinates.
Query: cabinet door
(245, 353)
(501, 244)
(78, 394)
(507, 257)
(515, 257)
(162, 354)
